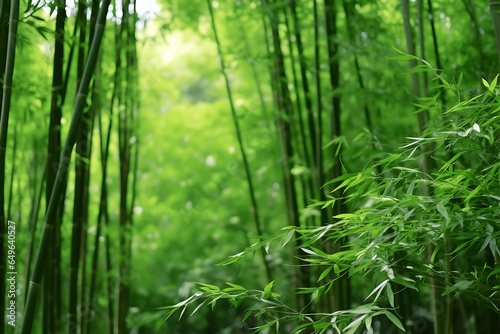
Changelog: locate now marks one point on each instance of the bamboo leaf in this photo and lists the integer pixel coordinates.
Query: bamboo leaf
(485, 83)
(461, 285)
(486, 243)
(405, 282)
(267, 290)
(353, 326)
(249, 312)
(368, 322)
(473, 193)
(287, 238)
(390, 294)
(452, 160)
(493, 84)
(443, 212)
(395, 320)
(210, 287)
(236, 286)
(379, 289)
(324, 273)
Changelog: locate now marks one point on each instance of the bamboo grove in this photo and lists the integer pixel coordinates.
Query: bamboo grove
(304, 66)
(59, 299)
(351, 146)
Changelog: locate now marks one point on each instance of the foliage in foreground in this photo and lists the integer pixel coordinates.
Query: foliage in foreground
(408, 231)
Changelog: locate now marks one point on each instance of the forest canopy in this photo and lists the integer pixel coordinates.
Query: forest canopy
(234, 166)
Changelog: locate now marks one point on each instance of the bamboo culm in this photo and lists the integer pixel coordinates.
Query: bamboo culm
(4, 120)
(253, 200)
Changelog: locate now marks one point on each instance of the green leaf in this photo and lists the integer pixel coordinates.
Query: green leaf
(473, 193)
(286, 239)
(459, 83)
(485, 243)
(452, 160)
(198, 307)
(267, 290)
(461, 285)
(486, 84)
(234, 287)
(249, 312)
(266, 326)
(324, 273)
(336, 269)
(395, 320)
(493, 85)
(353, 326)
(410, 187)
(209, 287)
(443, 212)
(299, 328)
(379, 288)
(390, 294)
(434, 253)
(368, 322)
(405, 282)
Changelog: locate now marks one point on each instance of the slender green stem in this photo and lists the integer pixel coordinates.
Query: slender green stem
(253, 200)
(4, 121)
(494, 8)
(305, 81)
(35, 208)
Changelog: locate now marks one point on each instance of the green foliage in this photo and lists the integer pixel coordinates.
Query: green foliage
(401, 214)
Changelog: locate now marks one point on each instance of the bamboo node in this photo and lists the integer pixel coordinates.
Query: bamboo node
(48, 226)
(34, 283)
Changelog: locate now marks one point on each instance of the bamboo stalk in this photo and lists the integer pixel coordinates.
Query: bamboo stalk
(94, 109)
(4, 32)
(12, 172)
(79, 206)
(255, 74)
(427, 165)
(51, 291)
(122, 286)
(435, 43)
(282, 112)
(342, 286)
(33, 218)
(253, 200)
(348, 8)
(319, 112)
(469, 6)
(421, 42)
(305, 82)
(494, 8)
(104, 218)
(88, 123)
(306, 181)
(62, 170)
(4, 121)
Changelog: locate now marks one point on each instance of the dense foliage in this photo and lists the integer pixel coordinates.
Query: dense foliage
(277, 166)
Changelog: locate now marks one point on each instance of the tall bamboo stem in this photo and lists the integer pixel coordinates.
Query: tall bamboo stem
(305, 82)
(494, 8)
(440, 325)
(253, 200)
(4, 121)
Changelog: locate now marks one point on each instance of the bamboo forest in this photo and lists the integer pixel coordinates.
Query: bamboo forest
(250, 166)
